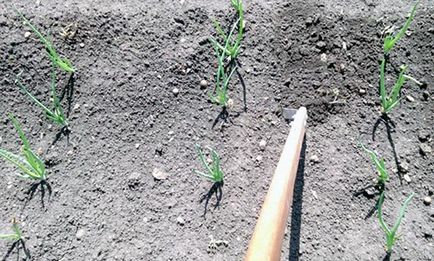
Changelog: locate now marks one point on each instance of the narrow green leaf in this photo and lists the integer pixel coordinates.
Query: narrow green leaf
(390, 41)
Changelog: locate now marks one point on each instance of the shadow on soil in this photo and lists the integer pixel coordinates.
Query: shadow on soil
(390, 127)
(224, 117)
(64, 131)
(387, 257)
(67, 93)
(243, 84)
(217, 189)
(364, 191)
(17, 245)
(43, 186)
(297, 205)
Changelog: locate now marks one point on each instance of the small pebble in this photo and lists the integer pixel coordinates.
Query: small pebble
(159, 174)
(262, 144)
(344, 46)
(407, 178)
(175, 91)
(40, 151)
(314, 194)
(259, 158)
(314, 158)
(425, 149)
(27, 34)
(403, 167)
(230, 103)
(80, 233)
(81, 45)
(137, 145)
(362, 91)
(323, 57)
(423, 135)
(409, 98)
(76, 107)
(321, 44)
(427, 200)
(171, 133)
(180, 221)
(203, 84)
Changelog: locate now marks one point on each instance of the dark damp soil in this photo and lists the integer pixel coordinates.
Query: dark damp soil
(103, 203)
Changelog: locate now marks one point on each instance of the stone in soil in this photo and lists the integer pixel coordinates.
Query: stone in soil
(262, 144)
(314, 158)
(203, 84)
(423, 135)
(407, 178)
(425, 149)
(427, 200)
(159, 174)
(180, 220)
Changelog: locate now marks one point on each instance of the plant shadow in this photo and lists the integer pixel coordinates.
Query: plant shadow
(387, 257)
(44, 187)
(18, 245)
(363, 191)
(297, 206)
(237, 64)
(390, 127)
(63, 132)
(68, 92)
(224, 116)
(243, 84)
(217, 189)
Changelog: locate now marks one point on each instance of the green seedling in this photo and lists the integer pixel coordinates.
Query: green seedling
(213, 170)
(391, 236)
(57, 114)
(63, 63)
(232, 45)
(391, 40)
(383, 177)
(16, 235)
(389, 101)
(222, 80)
(29, 163)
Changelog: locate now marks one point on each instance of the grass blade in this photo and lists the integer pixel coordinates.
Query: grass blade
(33, 98)
(402, 212)
(64, 63)
(18, 162)
(383, 85)
(390, 41)
(396, 90)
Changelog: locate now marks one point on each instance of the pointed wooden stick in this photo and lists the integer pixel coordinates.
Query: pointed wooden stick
(266, 242)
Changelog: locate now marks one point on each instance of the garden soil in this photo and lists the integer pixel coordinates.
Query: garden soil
(121, 184)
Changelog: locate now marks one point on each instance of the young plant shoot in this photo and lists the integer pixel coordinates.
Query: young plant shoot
(213, 170)
(391, 236)
(383, 177)
(391, 40)
(389, 101)
(56, 114)
(232, 45)
(222, 80)
(30, 165)
(63, 63)
(16, 235)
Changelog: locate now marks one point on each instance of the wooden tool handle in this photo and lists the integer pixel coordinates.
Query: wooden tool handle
(266, 242)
